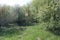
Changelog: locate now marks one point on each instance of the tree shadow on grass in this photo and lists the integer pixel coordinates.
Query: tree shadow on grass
(55, 30)
(26, 23)
(5, 31)
(14, 29)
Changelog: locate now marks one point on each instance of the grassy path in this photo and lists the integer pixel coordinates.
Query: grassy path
(34, 33)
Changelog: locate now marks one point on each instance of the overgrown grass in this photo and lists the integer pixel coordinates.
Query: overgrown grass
(33, 33)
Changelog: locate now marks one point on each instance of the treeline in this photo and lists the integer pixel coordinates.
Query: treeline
(40, 11)
(16, 15)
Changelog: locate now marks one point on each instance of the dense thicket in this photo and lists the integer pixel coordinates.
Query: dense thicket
(48, 12)
(16, 15)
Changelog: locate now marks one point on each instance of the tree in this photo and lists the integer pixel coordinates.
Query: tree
(7, 15)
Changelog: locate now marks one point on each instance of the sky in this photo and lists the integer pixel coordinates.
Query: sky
(14, 2)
